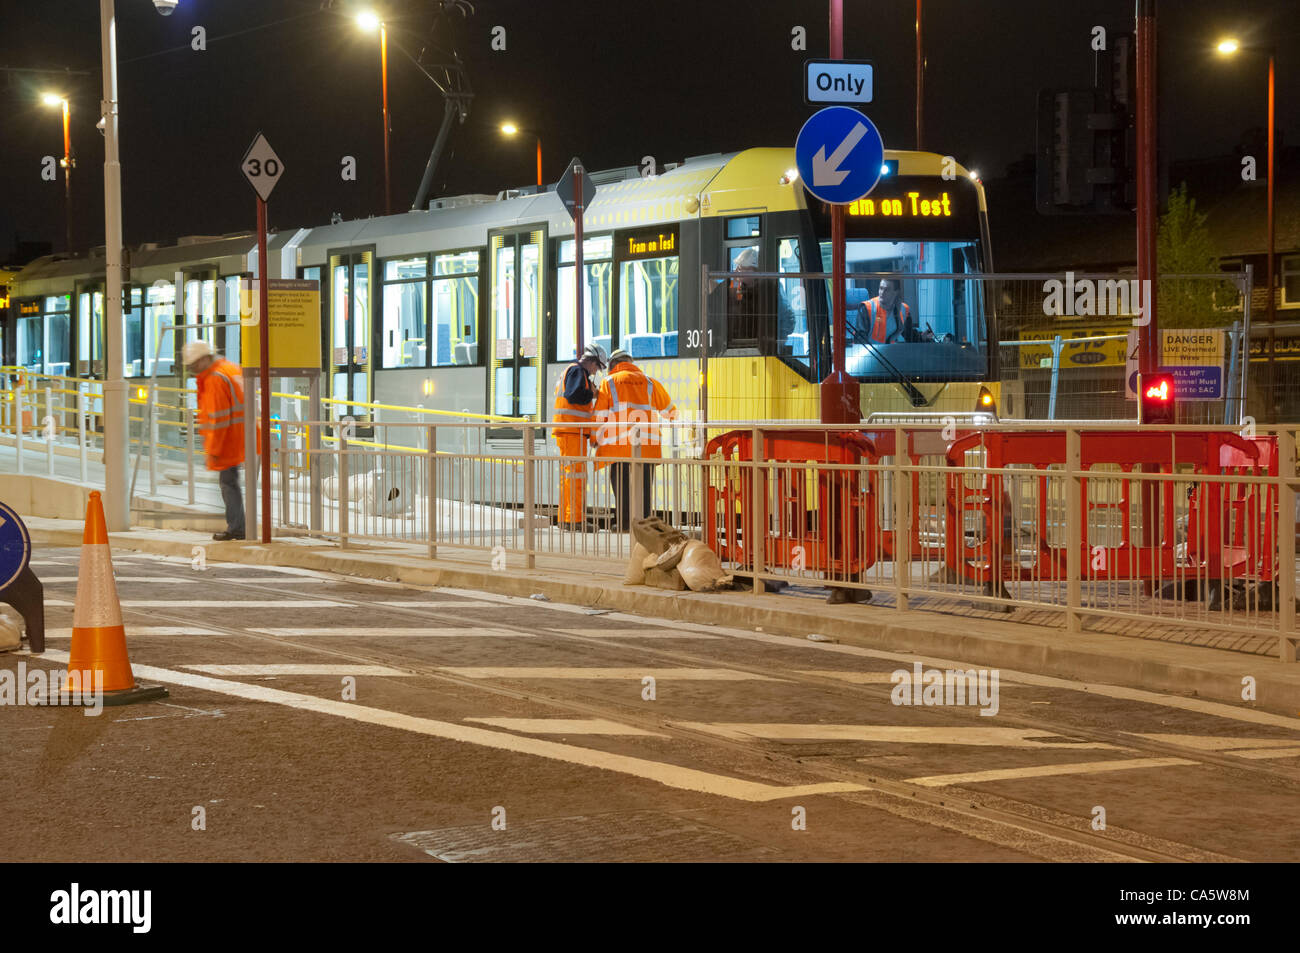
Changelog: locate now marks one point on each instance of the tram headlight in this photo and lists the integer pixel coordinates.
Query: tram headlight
(985, 404)
(165, 7)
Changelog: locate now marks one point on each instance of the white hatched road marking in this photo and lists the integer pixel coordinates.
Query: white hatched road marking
(871, 678)
(435, 604)
(240, 603)
(594, 633)
(1002, 737)
(1046, 771)
(1220, 742)
(567, 726)
(1259, 754)
(373, 633)
(683, 674)
(669, 775)
(291, 669)
(143, 630)
(207, 579)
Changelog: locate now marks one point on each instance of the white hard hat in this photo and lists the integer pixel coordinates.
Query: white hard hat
(596, 352)
(194, 350)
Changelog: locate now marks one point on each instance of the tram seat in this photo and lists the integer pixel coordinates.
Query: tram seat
(466, 353)
(645, 345)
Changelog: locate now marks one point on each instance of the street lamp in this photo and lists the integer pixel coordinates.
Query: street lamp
(369, 21)
(510, 129)
(1228, 47)
(54, 99)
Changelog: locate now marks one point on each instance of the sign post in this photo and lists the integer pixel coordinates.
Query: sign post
(840, 154)
(576, 192)
(263, 168)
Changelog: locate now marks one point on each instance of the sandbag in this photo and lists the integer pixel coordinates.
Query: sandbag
(701, 569)
(11, 629)
(635, 575)
(655, 535)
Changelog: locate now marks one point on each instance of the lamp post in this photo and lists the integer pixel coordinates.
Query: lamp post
(1229, 47)
(54, 99)
(510, 129)
(370, 22)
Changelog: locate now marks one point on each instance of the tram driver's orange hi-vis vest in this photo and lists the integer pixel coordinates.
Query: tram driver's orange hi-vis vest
(221, 414)
(570, 412)
(879, 318)
(628, 409)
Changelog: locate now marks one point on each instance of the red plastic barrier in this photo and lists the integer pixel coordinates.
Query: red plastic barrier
(1212, 506)
(829, 527)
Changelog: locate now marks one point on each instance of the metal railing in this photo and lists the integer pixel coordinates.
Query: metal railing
(1192, 538)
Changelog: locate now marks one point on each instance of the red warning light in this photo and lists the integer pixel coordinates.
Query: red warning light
(1157, 405)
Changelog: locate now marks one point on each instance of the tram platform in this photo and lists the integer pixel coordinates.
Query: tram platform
(1191, 662)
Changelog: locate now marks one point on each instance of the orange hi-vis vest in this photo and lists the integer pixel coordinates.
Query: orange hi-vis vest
(569, 413)
(879, 318)
(628, 408)
(221, 414)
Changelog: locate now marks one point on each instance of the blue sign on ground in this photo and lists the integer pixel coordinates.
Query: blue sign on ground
(15, 546)
(1192, 382)
(839, 154)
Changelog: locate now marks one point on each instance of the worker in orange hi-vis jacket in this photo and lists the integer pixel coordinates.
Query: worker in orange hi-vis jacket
(221, 421)
(629, 406)
(575, 395)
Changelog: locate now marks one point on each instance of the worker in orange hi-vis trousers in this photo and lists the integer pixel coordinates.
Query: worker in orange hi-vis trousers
(575, 394)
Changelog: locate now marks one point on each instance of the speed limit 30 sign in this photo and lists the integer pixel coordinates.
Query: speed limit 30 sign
(262, 167)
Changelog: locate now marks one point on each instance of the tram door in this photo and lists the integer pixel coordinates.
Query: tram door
(347, 353)
(90, 330)
(516, 372)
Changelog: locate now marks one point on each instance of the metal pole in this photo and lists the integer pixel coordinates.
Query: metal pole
(1056, 376)
(264, 344)
(1073, 529)
(577, 250)
(152, 418)
(67, 175)
(81, 430)
(50, 430)
(343, 479)
(539, 163)
(1286, 470)
(1148, 333)
(188, 416)
(920, 76)
(313, 450)
(18, 426)
(530, 543)
(117, 509)
(704, 351)
(756, 530)
(431, 491)
(902, 520)
(1246, 293)
(1274, 401)
(383, 67)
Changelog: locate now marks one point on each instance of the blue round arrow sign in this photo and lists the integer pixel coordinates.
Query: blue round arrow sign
(15, 546)
(839, 153)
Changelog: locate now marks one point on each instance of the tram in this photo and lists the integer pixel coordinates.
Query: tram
(469, 306)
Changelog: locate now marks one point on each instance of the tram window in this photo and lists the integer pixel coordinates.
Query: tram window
(201, 308)
(160, 302)
(914, 325)
(792, 313)
(133, 337)
(647, 310)
(747, 226)
(231, 312)
(404, 335)
(455, 309)
(597, 272)
(30, 344)
(58, 343)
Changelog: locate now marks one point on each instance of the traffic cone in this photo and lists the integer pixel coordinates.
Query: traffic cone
(98, 638)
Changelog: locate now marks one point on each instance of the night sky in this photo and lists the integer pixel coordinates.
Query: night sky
(608, 81)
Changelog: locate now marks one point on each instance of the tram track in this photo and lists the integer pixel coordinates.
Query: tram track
(956, 807)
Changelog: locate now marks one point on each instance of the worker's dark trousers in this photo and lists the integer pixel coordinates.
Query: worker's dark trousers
(620, 478)
(234, 501)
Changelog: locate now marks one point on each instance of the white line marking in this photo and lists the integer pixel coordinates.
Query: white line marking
(594, 633)
(1046, 771)
(435, 604)
(684, 674)
(863, 678)
(1217, 709)
(300, 670)
(669, 775)
(238, 603)
(133, 630)
(181, 580)
(895, 734)
(1218, 742)
(566, 726)
(1258, 754)
(49, 562)
(384, 633)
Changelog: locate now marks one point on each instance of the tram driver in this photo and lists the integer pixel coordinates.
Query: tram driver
(888, 319)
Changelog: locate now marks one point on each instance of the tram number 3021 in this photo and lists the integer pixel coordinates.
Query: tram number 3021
(693, 337)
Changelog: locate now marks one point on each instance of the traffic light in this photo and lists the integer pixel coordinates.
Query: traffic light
(1156, 399)
(1085, 144)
